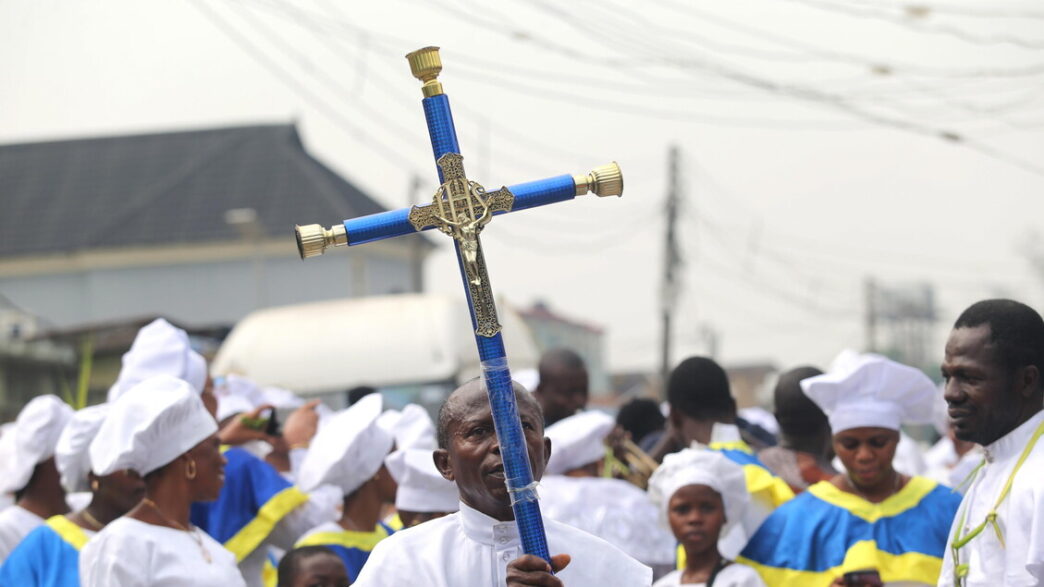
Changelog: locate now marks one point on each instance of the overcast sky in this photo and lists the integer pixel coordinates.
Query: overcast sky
(812, 137)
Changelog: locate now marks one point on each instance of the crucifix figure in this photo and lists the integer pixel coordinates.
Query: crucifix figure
(461, 208)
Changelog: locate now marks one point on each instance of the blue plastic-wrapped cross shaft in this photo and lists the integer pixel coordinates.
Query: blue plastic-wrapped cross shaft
(517, 473)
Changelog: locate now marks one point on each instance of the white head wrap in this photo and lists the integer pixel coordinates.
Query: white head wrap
(867, 390)
(150, 425)
(695, 466)
(70, 455)
(236, 395)
(281, 399)
(414, 429)
(577, 440)
(388, 420)
(160, 349)
(422, 488)
(529, 378)
(31, 441)
(348, 450)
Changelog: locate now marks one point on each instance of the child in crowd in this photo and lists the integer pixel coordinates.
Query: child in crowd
(312, 566)
(702, 494)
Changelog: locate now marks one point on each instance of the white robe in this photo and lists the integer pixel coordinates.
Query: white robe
(946, 467)
(613, 510)
(16, 523)
(470, 548)
(131, 553)
(734, 575)
(1020, 560)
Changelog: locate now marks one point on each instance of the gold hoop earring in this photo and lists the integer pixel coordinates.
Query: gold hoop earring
(190, 469)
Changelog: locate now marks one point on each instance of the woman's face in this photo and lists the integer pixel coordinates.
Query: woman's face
(696, 514)
(867, 454)
(210, 469)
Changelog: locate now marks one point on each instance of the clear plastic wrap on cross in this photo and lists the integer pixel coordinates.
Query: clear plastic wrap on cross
(460, 209)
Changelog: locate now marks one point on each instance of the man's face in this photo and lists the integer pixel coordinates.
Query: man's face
(472, 457)
(562, 392)
(983, 404)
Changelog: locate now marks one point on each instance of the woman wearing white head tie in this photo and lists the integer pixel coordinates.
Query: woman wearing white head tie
(28, 470)
(870, 524)
(348, 453)
(160, 429)
(160, 348)
(701, 493)
(49, 556)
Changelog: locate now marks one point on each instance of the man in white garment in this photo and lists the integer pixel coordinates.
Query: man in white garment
(27, 469)
(479, 545)
(992, 367)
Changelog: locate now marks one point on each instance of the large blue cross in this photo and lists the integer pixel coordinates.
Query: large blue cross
(460, 209)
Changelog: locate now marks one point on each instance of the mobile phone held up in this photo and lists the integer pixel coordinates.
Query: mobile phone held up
(266, 421)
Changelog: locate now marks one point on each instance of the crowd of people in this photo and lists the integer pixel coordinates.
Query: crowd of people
(183, 477)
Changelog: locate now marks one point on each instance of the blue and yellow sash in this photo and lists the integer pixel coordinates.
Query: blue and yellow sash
(353, 547)
(254, 499)
(825, 532)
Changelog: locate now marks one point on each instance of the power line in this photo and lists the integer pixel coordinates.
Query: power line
(954, 32)
(922, 9)
(802, 93)
(324, 31)
(872, 64)
(334, 114)
(305, 64)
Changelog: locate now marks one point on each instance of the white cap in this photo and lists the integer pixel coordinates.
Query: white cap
(31, 441)
(348, 450)
(150, 425)
(867, 390)
(236, 395)
(697, 466)
(528, 378)
(70, 455)
(414, 429)
(281, 399)
(422, 488)
(388, 420)
(160, 349)
(230, 405)
(577, 440)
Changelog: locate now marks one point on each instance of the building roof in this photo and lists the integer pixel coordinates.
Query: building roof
(164, 188)
(541, 311)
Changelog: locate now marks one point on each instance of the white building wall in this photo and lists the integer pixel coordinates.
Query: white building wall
(201, 293)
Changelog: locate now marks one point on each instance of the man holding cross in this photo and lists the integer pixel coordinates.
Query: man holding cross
(479, 545)
(460, 209)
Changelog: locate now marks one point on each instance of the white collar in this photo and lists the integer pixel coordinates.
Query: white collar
(725, 433)
(486, 530)
(1014, 442)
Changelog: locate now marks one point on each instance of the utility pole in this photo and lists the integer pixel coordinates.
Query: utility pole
(870, 344)
(671, 261)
